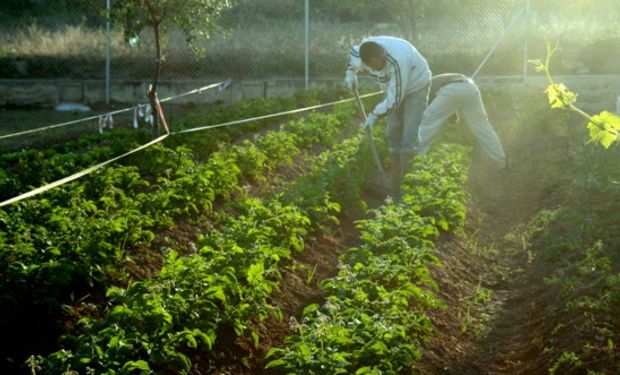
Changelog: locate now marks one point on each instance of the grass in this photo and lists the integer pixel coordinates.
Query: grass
(71, 40)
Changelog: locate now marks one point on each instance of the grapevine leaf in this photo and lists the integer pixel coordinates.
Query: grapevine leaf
(604, 129)
(560, 96)
(538, 65)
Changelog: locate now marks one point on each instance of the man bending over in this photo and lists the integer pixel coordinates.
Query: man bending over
(404, 76)
(456, 93)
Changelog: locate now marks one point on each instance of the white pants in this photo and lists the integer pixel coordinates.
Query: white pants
(464, 98)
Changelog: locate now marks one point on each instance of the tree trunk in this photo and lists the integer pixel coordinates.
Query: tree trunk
(153, 89)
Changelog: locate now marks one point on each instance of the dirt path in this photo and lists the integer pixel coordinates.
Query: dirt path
(492, 323)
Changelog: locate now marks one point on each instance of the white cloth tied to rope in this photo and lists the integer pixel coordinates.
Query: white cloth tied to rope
(224, 85)
(142, 111)
(106, 121)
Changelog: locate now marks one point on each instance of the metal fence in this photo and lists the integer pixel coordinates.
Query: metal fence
(293, 38)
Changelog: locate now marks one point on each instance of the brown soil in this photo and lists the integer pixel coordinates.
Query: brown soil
(490, 323)
(477, 333)
(298, 288)
(500, 333)
(494, 335)
(144, 262)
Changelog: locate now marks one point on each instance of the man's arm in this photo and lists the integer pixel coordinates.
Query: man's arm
(354, 66)
(395, 90)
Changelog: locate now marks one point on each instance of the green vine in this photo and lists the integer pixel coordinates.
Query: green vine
(604, 128)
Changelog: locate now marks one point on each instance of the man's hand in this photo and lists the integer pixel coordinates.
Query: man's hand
(351, 80)
(371, 120)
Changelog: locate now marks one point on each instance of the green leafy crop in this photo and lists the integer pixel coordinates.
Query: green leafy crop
(225, 284)
(376, 318)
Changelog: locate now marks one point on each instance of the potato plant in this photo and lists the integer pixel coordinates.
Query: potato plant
(375, 319)
(69, 242)
(225, 284)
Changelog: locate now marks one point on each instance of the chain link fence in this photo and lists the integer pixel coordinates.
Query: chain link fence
(52, 39)
(265, 39)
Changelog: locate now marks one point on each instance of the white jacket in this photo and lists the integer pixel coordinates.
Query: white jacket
(406, 71)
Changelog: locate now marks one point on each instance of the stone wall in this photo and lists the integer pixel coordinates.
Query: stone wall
(596, 92)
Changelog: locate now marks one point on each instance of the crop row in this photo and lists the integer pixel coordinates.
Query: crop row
(162, 323)
(57, 247)
(575, 262)
(375, 318)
